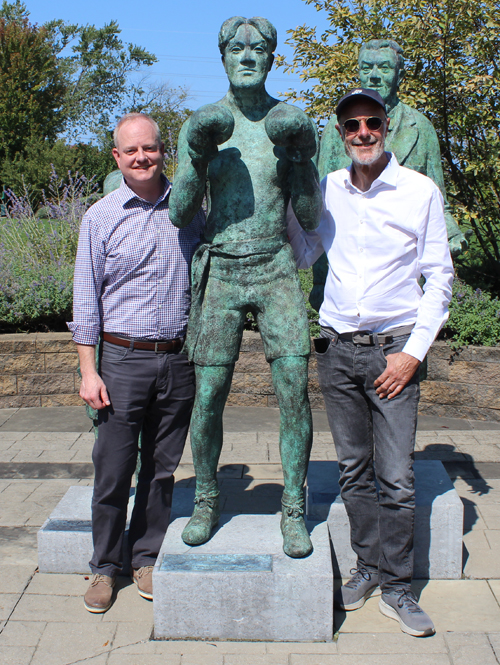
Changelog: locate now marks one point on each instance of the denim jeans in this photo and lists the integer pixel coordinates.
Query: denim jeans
(375, 440)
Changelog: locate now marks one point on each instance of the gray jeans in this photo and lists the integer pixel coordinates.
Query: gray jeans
(152, 392)
(375, 440)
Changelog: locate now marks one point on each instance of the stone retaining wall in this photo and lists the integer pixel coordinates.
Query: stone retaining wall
(41, 370)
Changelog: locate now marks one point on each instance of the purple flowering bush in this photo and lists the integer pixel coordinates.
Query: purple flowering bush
(37, 255)
(474, 317)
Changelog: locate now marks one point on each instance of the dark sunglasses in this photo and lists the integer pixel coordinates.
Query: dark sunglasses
(373, 123)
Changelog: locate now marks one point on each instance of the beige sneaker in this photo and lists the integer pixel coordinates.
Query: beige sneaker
(143, 577)
(98, 598)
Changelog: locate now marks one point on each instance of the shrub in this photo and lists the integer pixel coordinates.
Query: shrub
(474, 317)
(37, 254)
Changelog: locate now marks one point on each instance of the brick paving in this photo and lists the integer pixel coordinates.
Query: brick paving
(42, 618)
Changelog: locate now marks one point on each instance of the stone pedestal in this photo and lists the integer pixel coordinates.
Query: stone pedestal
(438, 519)
(65, 539)
(241, 586)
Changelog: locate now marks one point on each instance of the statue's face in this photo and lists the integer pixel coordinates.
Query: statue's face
(379, 70)
(246, 59)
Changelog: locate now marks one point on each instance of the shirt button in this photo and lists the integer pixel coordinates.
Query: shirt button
(361, 221)
(159, 306)
(360, 249)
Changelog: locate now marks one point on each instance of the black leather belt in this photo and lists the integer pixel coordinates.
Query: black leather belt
(168, 345)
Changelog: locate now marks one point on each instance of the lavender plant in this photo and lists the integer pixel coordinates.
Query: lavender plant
(37, 254)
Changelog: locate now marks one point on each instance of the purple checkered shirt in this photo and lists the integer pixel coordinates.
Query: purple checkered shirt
(132, 269)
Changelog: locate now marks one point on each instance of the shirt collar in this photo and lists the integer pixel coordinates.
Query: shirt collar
(125, 194)
(388, 176)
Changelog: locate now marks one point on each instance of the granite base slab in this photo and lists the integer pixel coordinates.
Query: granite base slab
(241, 586)
(65, 539)
(439, 518)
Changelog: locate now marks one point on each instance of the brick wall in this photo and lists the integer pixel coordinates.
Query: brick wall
(40, 370)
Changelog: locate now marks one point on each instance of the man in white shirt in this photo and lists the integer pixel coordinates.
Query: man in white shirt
(382, 228)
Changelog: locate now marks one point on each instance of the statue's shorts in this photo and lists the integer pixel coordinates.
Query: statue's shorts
(266, 285)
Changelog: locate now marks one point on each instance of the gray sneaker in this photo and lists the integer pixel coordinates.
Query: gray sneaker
(353, 594)
(402, 606)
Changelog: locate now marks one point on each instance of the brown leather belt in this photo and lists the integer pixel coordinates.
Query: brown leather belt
(170, 345)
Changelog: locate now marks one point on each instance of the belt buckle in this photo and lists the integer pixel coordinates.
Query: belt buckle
(362, 336)
(156, 347)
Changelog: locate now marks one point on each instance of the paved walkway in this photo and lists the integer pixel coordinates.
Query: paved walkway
(42, 618)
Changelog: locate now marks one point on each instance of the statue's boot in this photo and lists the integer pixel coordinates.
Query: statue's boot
(205, 516)
(296, 541)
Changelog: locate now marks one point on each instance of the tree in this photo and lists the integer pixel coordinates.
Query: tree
(92, 79)
(452, 75)
(59, 79)
(167, 106)
(96, 73)
(32, 87)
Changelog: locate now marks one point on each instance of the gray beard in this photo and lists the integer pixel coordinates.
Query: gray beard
(365, 160)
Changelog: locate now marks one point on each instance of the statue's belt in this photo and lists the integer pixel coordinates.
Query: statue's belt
(200, 269)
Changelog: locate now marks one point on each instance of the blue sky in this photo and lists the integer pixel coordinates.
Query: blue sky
(183, 35)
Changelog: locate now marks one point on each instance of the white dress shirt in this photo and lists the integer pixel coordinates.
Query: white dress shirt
(378, 244)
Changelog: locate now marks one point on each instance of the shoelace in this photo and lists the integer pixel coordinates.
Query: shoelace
(208, 500)
(408, 600)
(145, 570)
(294, 512)
(99, 578)
(358, 576)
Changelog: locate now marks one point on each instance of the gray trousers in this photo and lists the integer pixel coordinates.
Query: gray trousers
(152, 392)
(374, 439)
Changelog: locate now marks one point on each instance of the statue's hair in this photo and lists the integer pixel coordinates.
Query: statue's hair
(375, 44)
(231, 25)
(128, 117)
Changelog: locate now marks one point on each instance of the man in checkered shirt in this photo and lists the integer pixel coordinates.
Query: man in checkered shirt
(132, 287)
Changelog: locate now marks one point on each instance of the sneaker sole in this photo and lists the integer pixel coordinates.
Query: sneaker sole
(390, 612)
(96, 610)
(143, 594)
(359, 603)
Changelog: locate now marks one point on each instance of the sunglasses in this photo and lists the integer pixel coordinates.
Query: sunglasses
(373, 123)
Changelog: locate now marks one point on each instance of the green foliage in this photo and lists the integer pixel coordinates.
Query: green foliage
(32, 87)
(96, 74)
(37, 253)
(452, 75)
(167, 107)
(36, 167)
(35, 300)
(474, 317)
(306, 283)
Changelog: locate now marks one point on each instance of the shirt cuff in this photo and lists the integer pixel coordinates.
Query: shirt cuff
(416, 347)
(88, 335)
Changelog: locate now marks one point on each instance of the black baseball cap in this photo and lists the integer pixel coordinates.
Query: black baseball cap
(360, 93)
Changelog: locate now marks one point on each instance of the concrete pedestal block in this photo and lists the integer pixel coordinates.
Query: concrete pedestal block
(241, 586)
(65, 539)
(439, 518)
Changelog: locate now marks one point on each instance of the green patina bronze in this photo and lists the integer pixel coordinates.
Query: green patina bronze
(251, 155)
(112, 182)
(411, 137)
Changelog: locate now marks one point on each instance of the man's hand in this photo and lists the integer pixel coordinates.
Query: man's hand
(400, 368)
(208, 127)
(92, 390)
(289, 127)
